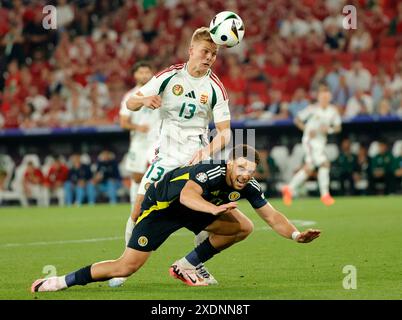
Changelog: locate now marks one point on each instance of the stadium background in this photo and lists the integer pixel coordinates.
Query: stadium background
(61, 89)
(60, 92)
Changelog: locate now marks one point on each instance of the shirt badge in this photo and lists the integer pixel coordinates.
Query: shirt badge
(204, 98)
(177, 89)
(233, 196)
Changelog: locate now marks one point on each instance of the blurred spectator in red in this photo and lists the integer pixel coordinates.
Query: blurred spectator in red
(359, 104)
(234, 79)
(276, 65)
(376, 22)
(34, 184)
(54, 182)
(294, 79)
(395, 26)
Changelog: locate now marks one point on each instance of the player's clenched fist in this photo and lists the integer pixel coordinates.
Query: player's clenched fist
(152, 102)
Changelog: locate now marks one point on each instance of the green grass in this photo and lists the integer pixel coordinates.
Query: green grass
(363, 232)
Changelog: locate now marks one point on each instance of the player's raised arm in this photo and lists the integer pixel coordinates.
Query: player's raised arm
(135, 102)
(191, 197)
(221, 139)
(280, 224)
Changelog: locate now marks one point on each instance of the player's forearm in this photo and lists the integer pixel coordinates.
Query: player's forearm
(281, 225)
(277, 221)
(299, 124)
(194, 201)
(218, 142)
(135, 103)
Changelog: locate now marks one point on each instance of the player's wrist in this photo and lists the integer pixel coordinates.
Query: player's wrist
(295, 235)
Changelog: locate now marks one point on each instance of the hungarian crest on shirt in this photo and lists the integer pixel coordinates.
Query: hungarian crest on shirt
(204, 98)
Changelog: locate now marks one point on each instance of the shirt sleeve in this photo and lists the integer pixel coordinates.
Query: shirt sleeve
(158, 83)
(304, 114)
(220, 102)
(206, 176)
(221, 112)
(124, 111)
(254, 195)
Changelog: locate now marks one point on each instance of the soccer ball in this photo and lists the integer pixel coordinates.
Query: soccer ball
(226, 29)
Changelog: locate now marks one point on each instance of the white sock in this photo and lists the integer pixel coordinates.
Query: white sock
(298, 180)
(133, 193)
(129, 229)
(185, 263)
(323, 180)
(200, 238)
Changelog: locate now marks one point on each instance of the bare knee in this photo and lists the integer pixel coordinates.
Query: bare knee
(246, 228)
(137, 177)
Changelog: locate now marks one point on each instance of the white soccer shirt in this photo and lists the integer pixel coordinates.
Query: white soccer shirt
(144, 116)
(188, 105)
(315, 117)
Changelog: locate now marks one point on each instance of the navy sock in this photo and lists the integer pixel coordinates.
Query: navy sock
(202, 253)
(80, 277)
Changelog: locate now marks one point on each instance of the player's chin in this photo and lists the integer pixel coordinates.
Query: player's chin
(239, 185)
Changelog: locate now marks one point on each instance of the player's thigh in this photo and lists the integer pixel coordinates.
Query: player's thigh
(137, 176)
(153, 227)
(136, 162)
(133, 257)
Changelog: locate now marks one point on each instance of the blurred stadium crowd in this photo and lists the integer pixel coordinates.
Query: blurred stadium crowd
(77, 74)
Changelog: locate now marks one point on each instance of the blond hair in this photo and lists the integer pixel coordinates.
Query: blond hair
(201, 34)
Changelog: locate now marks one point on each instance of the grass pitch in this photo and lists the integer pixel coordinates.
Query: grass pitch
(361, 232)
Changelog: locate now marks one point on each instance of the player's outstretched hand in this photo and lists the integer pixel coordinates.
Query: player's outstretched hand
(225, 207)
(308, 235)
(152, 102)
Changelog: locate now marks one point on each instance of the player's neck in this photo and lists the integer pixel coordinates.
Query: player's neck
(194, 71)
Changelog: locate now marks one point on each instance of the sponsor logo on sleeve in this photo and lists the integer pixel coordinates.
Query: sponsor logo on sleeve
(201, 177)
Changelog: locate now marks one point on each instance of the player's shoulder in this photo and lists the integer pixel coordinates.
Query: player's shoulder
(211, 169)
(217, 84)
(253, 186)
(174, 68)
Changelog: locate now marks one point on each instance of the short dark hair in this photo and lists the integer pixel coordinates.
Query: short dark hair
(245, 151)
(142, 64)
